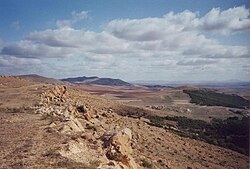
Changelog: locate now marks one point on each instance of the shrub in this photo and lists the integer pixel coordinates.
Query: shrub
(146, 163)
(232, 133)
(211, 98)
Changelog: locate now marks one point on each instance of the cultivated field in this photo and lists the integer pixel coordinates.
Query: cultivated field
(167, 101)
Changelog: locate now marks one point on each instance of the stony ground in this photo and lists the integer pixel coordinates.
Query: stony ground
(47, 127)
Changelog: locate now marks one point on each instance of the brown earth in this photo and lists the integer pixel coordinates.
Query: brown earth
(165, 101)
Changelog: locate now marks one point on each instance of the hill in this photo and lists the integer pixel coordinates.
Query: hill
(97, 81)
(40, 79)
(79, 79)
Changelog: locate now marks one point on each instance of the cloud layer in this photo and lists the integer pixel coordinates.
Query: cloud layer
(176, 40)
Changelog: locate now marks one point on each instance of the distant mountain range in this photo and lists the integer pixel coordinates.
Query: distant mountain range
(94, 80)
(210, 84)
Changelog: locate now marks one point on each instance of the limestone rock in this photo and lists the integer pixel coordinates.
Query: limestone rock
(71, 127)
(56, 94)
(80, 151)
(119, 149)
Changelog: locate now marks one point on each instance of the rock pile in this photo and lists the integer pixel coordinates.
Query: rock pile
(57, 106)
(56, 94)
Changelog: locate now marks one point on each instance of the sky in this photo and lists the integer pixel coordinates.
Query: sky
(134, 40)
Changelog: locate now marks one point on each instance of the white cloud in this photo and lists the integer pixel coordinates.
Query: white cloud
(13, 61)
(228, 21)
(76, 17)
(70, 42)
(225, 22)
(162, 43)
(170, 35)
(29, 49)
(197, 62)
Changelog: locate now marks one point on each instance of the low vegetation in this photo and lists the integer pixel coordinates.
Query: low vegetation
(146, 163)
(211, 98)
(232, 133)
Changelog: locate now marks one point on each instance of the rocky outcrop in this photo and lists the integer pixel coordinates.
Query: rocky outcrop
(56, 103)
(118, 149)
(61, 110)
(83, 123)
(58, 93)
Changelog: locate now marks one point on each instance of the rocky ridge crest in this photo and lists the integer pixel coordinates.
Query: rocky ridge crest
(90, 141)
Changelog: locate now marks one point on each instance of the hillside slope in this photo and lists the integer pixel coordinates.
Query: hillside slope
(65, 127)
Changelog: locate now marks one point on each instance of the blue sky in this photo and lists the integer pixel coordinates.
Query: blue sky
(133, 40)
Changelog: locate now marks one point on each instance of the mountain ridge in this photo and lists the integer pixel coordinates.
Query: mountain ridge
(94, 80)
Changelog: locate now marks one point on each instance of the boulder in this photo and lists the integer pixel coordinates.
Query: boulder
(71, 127)
(118, 144)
